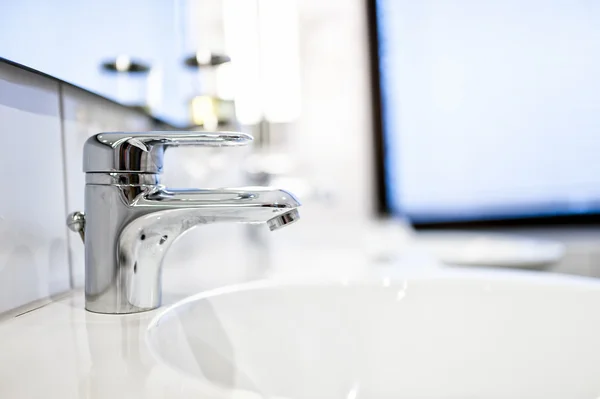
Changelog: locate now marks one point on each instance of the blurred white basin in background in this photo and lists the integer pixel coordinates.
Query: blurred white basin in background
(489, 249)
(485, 335)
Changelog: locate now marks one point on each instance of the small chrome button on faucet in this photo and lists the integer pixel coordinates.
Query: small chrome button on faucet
(131, 220)
(76, 223)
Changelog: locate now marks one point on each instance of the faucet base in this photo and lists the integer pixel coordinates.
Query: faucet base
(133, 310)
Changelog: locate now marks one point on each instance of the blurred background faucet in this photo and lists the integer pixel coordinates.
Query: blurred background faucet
(131, 220)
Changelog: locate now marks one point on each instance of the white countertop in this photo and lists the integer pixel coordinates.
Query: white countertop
(62, 351)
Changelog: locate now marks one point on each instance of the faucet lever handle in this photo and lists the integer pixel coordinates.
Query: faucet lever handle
(124, 152)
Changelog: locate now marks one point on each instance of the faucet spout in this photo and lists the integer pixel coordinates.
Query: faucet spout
(244, 205)
(165, 215)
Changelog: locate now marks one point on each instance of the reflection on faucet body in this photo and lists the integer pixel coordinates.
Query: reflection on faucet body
(131, 220)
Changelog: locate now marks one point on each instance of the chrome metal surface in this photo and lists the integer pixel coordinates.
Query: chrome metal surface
(283, 220)
(131, 220)
(143, 152)
(76, 223)
(122, 178)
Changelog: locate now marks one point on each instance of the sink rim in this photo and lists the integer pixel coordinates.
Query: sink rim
(483, 276)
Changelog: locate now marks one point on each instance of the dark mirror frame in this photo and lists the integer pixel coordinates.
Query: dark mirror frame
(383, 208)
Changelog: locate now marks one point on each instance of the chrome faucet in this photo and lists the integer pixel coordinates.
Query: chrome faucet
(131, 220)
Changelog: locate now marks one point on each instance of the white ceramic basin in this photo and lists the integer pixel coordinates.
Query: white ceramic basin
(482, 337)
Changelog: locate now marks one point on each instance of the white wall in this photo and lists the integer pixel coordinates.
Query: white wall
(43, 125)
(332, 140)
(33, 237)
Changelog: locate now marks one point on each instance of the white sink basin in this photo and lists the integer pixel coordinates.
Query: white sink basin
(481, 337)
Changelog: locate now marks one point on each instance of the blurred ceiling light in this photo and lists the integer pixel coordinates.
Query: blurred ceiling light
(262, 38)
(204, 112)
(203, 57)
(123, 63)
(130, 78)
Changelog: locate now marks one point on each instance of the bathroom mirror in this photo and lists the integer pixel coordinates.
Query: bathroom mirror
(161, 56)
(489, 110)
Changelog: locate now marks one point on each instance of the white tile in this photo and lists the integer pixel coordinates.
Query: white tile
(33, 248)
(86, 114)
